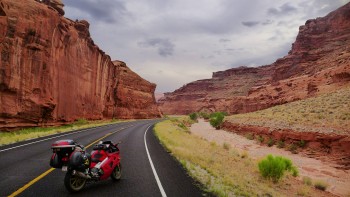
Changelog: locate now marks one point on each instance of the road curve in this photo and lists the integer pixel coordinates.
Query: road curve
(24, 162)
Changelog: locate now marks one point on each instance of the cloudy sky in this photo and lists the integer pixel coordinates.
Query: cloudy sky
(174, 42)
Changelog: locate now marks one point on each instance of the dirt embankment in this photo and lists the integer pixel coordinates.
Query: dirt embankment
(311, 161)
(332, 148)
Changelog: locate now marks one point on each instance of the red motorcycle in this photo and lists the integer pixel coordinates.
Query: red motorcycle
(82, 167)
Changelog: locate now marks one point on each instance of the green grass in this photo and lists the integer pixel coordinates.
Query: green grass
(325, 113)
(35, 132)
(221, 169)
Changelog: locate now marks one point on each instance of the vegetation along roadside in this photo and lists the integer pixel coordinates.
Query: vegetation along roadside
(222, 170)
(35, 132)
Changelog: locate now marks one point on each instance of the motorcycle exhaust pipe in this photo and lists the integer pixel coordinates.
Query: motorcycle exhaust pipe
(81, 174)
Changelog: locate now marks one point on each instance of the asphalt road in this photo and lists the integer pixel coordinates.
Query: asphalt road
(25, 162)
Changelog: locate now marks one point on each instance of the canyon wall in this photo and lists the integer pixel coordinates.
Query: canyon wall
(51, 72)
(318, 62)
(134, 97)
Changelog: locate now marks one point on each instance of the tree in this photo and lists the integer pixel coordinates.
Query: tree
(193, 116)
(216, 119)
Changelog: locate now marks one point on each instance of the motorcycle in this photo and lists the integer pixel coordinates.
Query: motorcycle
(82, 167)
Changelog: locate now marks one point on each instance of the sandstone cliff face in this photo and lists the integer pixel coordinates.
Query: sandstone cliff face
(134, 97)
(52, 72)
(318, 62)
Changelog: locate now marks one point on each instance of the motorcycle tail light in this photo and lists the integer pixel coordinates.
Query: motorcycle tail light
(65, 159)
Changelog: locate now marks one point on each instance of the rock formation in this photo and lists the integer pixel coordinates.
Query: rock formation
(51, 72)
(318, 62)
(133, 98)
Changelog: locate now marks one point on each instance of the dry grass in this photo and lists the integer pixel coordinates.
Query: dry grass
(222, 170)
(326, 113)
(31, 133)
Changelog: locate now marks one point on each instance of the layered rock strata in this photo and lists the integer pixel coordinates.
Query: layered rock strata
(51, 72)
(318, 62)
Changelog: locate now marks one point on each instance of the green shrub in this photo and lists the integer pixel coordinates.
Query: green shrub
(260, 139)
(226, 146)
(274, 167)
(249, 136)
(270, 142)
(280, 144)
(216, 119)
(301, 143)
(193, 116)
(204, 115)
(321, 185)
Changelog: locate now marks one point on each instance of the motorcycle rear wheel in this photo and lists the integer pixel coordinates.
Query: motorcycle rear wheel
(74, 183)
(117, 173)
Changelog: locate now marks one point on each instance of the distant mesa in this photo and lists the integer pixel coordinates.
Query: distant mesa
(318, 62)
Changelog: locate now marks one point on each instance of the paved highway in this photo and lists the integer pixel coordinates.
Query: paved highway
(25, 170)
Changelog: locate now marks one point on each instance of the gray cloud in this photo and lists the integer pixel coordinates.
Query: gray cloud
(285, 9)
(100, 10)
(250, 23)
(267, 22)
(164, 46)
(210, 35)
(224, 40)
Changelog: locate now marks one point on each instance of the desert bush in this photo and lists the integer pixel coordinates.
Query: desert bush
(274, 167)
(249, 136)
(303, 191)
(270, 142)
(244, 154)
(226, 146)
(302, 143)
(321, 185)
(216, 119)
(204, 115)
(293, 148)
(193, 116)
(307, 180)
(260, 139)
(280, 144)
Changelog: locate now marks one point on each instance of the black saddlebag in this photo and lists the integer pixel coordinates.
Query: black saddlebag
(55, 161)
(61, 149)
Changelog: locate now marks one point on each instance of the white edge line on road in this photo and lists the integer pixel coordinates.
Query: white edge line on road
(40, 141)
(44, 139)
(152, 166)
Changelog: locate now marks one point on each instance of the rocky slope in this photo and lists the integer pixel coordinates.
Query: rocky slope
(51, 71)
(318, 62)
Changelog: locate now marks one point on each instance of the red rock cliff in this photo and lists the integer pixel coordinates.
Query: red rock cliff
(318, 62)
(133, 98)
(51, 71)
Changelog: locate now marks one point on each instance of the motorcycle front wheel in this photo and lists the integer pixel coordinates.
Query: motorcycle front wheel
(117, 173)
(74, 183)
